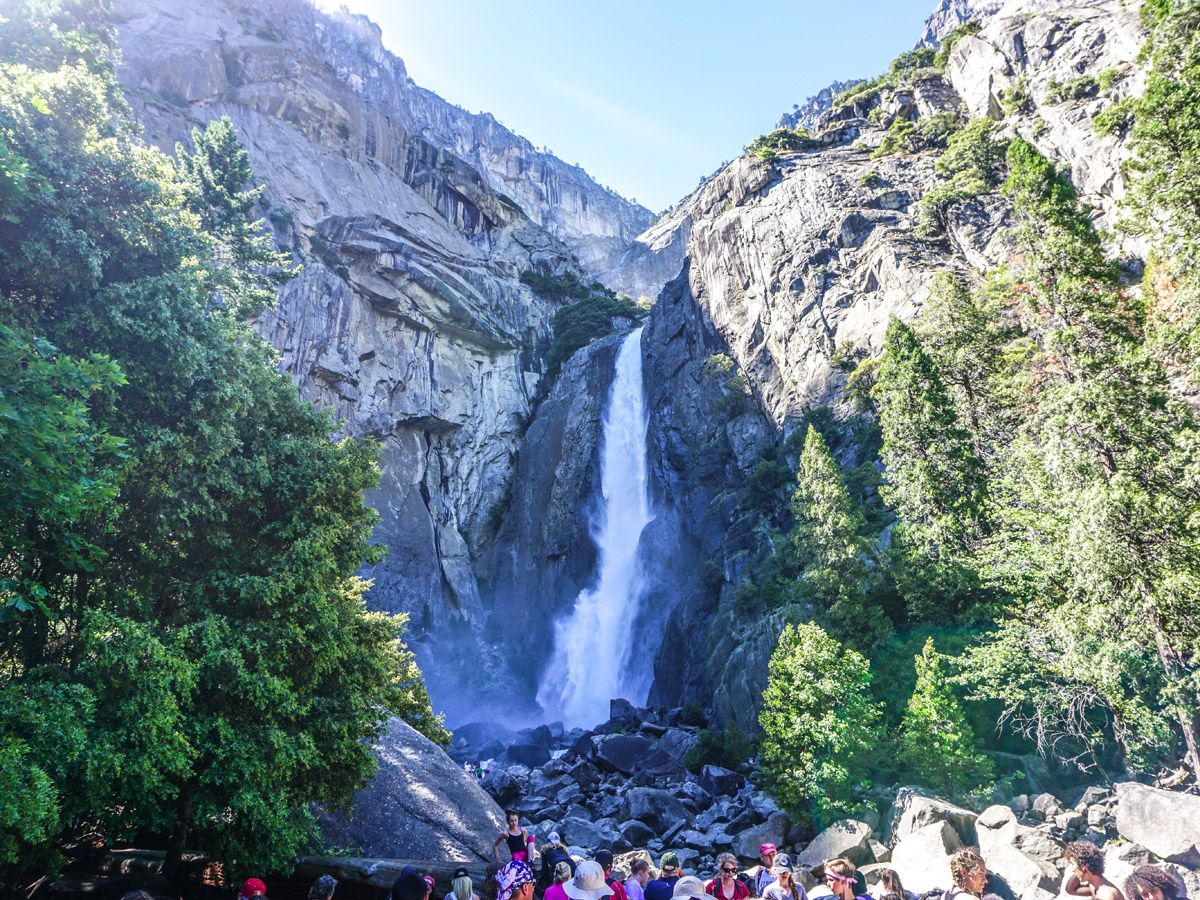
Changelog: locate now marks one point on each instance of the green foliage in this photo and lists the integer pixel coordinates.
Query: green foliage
(828, 539)
(1080, 88)
(185, 656)
(1106, 79)
(1116, 118)
(1016, 98)
(768, 147)
(926, 134)
(819, 725)
(583, 321)
(556, 288)
(904, 69)
(729, 749)
(936, 743)
(950, 41)
(864, 93)
(719, 365)
(970, 166)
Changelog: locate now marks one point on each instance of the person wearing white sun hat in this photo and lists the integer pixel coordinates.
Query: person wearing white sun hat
(690, 886)
(588, 883)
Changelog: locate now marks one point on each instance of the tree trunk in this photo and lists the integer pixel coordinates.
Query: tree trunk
(1188, 714)
(178, 843)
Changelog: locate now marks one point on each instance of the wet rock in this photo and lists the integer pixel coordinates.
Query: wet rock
(1166, 822)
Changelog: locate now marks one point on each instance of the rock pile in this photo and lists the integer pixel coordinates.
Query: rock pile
(624, 786)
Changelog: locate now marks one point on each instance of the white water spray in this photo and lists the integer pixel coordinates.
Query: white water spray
(592, 649)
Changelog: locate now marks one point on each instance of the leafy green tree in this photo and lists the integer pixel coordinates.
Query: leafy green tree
(828, 541)
(936, 743)
(185, 655)
(819, 723)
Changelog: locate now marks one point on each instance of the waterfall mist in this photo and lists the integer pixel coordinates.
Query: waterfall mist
(592, 656)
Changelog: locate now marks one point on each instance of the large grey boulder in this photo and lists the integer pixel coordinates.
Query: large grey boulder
(420, 805)
(995, 826)
(621, 752)
(1166, 822)
(772, 831)
(657, 808)
(720, 781)
(1025, 876)
(588, 834)
(913, 809)
(922, 858)
(846, 838)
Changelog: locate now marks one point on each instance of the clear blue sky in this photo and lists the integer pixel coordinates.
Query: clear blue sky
(647, 95)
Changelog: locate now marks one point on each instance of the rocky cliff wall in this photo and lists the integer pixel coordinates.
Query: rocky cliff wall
(409, 322)
(786, 263)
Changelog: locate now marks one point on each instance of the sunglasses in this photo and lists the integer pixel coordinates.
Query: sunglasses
(728, 871)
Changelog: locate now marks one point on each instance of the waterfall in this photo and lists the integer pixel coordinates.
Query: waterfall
(592, 644)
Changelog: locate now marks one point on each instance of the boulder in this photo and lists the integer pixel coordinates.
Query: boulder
(846, 838)
(922, 858)
(1070, 821)
(996, 825)
(1047, 805)
(621, 752)
(687, 858)
(621, 710)
(585, 833)
(657, 764)
(501, 786)
(881, 852)
(1042, 846)
(1165, 822)
(697, 840)
(1093, 795)
(746, 843)
(637, 833)
(676, 743)
(657, 808)
(721, 782)
(420, 805)
(692, 793)
(1120, 859)
(913, 809)
(623, 862)
(1023, 874)
(525, 754)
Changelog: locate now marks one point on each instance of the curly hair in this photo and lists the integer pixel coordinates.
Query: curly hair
(1151, 877)
(1086, 855)
(963, 863)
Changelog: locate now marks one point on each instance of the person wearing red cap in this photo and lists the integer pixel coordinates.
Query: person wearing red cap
(764, 877)
(251, 888)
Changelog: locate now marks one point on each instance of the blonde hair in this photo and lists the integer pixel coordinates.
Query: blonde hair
(963, 863)
(463, 888)
(562, 872)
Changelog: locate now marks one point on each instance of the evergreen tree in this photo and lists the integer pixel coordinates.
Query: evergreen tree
(937, 745)
(828, 541)
(819, 724)
(934, 479)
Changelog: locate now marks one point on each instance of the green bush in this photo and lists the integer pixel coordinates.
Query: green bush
(578, 324)
(949, 41)
(1116, 118)
(728, 749)
(1106, 79)
(556, 288)
(768, 147)
(1016, 98)
(913, 137)
(1076, 89)
(970, 165)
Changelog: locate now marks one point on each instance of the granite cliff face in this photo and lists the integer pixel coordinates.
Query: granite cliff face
(415, 221)
(786, 263)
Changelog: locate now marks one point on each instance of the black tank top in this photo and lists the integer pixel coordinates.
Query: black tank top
(516, 842)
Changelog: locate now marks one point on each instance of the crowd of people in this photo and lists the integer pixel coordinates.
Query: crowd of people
(562, 877)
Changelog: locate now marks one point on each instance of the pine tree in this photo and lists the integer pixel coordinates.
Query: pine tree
(935, 481)
(937, 745)
(819, 724)
(828, 541)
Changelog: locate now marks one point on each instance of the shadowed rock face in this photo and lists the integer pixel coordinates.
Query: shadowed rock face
(420, 805)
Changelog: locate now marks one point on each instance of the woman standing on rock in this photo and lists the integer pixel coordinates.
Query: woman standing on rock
(726, 885)
(515, 836)
(784, 886)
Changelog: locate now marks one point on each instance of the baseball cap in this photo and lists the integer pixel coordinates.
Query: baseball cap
(254, 887)
(764, 849)
(670, 860)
